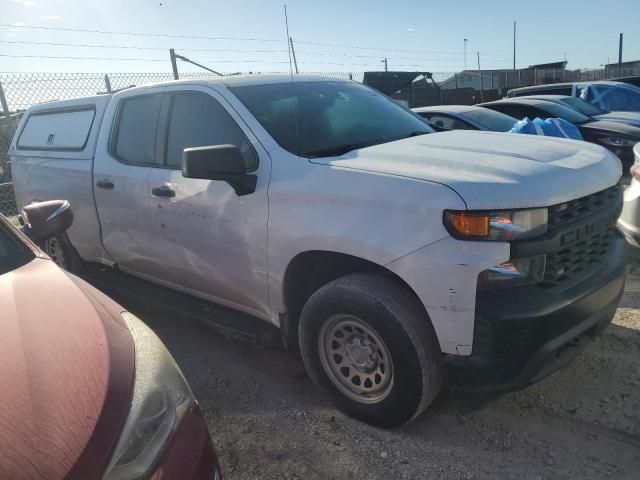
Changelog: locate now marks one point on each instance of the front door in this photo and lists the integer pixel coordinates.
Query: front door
(125, 154)
(212, 242)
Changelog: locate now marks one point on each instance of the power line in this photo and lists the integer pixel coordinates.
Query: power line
(125, 59)
(64, 57)
(167, 35)
(203, 37)
(209, 50)
(85, 45)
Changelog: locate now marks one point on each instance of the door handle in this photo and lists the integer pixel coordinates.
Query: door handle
(163, 191)
(107, 184)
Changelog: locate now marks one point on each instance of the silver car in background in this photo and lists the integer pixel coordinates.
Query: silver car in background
(629, 221)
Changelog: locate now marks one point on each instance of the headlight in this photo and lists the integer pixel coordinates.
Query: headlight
(496, 226)
(514, 273)
(617, 141)
(161, 399)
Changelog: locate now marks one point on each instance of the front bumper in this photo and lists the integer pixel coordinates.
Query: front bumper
(525, 334)
(190, 454)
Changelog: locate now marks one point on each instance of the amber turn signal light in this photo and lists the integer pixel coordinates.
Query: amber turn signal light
(468, 225)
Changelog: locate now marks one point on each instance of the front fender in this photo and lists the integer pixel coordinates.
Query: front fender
(372, 216)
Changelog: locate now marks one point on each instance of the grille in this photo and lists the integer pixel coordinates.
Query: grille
(577, 261)
(582, 207)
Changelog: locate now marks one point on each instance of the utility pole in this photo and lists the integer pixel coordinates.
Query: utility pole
(174, 65)
(465, 52)
(514, 44)
(385, 64)
(620, 56)
(295, 62)
(481, 82)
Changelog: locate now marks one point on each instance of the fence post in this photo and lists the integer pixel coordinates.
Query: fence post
(174, 65)
(3, 102)
(107, 83)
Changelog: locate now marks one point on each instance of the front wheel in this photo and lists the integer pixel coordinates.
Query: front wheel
(367, 343)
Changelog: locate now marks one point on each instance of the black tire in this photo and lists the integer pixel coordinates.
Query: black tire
(399, 320)
(61, 251)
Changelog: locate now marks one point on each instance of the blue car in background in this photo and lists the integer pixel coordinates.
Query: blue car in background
(608, 95)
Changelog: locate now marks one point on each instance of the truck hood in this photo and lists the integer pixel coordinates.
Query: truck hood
(57, 368)
(492, 170)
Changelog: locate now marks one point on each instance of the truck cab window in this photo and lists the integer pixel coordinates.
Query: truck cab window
(198, 120)
(136, 129)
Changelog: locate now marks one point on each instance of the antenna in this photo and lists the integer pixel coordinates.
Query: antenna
(293, 96)
(293, 51)
(286, 23)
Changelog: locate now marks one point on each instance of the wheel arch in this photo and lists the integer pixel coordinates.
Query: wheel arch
(310, 270)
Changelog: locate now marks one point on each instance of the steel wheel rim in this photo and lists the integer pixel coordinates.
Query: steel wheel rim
(53, 247)
(356, 359)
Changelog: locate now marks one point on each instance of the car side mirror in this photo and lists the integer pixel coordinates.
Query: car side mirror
(219, 162)
(43, 220)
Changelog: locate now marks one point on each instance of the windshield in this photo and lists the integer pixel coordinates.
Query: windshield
(13, 253)
(560, 111)
(490, 119)
(322, 119)
(583, 107)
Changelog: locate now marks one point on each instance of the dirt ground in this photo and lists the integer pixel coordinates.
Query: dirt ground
(268, 420)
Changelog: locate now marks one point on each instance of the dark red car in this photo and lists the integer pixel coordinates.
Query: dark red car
(88, 390)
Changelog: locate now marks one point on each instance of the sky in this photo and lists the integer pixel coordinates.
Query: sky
(328, 35)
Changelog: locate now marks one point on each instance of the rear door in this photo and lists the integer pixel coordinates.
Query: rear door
(126, 152)
(212, 242)
(51, 158)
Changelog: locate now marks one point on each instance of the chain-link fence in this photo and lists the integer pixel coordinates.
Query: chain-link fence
(21, 90)
(8, 126)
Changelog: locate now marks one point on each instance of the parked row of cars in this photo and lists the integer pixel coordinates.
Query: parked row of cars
(618, 131)
(394, 259)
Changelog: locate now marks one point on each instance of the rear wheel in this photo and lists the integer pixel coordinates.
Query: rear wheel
(61, 251)
(367, 343)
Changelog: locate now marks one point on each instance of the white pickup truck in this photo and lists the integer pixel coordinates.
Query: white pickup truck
(392, 257)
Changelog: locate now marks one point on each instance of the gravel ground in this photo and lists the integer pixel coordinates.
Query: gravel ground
(268, 420)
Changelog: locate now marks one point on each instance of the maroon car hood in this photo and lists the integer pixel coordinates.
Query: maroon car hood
(58, 368)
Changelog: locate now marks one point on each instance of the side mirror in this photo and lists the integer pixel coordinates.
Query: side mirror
(43, 220)
(219, 162)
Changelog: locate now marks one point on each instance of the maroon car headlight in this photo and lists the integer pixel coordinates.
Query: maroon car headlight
(161, 399)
